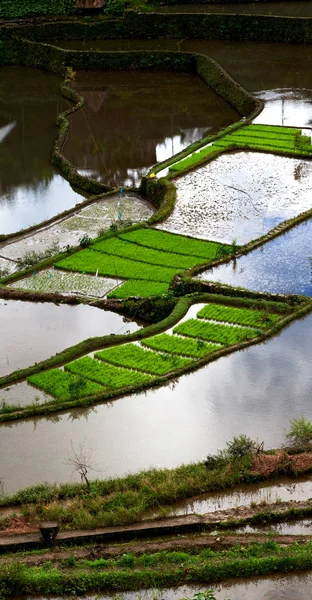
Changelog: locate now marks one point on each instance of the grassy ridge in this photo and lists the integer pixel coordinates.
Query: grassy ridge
(127, 249)
(145, 289)
(172, 242)
(63, 385)
(105, 374)
(175, 344)
(213, 332)
(241, 316)
(136, 357)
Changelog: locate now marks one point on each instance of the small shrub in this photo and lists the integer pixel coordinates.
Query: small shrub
(241, 446)
(85, 241)
(115, 7)
(300, 432)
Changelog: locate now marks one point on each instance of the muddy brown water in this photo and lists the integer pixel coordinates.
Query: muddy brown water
(302, 527)
(281, 9)
(282, 265)
(31, 189)
(275, 587)
(256, 391)
(31, 332)
(132, 120)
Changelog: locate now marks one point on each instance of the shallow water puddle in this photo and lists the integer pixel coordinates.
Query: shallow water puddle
(280, 266)
(287, 107)
(240, 196)
(65, 282)
(32, 332)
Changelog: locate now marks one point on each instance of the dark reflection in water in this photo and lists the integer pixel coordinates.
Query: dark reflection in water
(131, 120)
(257, 66)
(30, 188)
(256, 392)
(282, 9)
(280, 266)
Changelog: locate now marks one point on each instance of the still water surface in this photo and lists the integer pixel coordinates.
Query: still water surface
(283, 265)
(256, 391)
(132, 120)
(31, 189)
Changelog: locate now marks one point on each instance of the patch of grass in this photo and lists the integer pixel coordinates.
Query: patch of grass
(171, 242)
(241, 316)
(63, 385)
(136, 357)
(127, 249)
(215, 332)
(175, 344)
(105, 374)
(144, 289)
(90, 261)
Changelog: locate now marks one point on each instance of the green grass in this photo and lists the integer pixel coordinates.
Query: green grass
(178, 345)
(63, 385)
(89, 261)
(241, 316)
(263, 137)
(105, 374)
(136, 357)
(171, 242)
(127, 249)
(145, 289)
(215, 332)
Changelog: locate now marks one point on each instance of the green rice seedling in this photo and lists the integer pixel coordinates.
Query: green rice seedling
(142, 288)
(89, 261)
(215, 332)
(241, 316)
(136, 357)
(127, 249)
(175, 344)
(106, 374)
(63, 385)
(172, 242)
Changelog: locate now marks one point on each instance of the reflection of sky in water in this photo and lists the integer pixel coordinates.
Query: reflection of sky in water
(30, 205)
(280, 266)
(289, 107)
(241, 393)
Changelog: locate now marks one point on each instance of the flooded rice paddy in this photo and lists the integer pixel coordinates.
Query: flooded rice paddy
(240, 196)
(31, 189)
(132, 120)
(282, 265)
(32, 332)
(178, 423)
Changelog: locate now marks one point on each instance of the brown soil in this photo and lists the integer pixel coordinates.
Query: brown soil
(16, 525)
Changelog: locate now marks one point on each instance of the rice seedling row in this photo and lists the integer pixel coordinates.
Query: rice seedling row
(63, 385)
(90, 261)
(127, 249)
(136, 357)
(242, 316)
(174, 344)
(142, 288)
(215, 332)
(106, 374)
(171, 242)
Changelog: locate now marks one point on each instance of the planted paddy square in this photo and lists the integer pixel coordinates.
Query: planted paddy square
(175, 344)
(64, 385)
(213, 332)
(136, 357)
(241, 316)
(142, 288)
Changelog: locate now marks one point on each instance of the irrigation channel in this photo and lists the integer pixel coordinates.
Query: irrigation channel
(87, 223)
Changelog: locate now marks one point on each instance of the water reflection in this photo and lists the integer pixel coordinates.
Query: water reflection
(31, 190)
(256, 391)
(280, 266)
(131, 120)
(287, 107)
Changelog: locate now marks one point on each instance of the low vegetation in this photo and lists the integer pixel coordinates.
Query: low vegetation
(105, 374)
(136, 357)
(63, 385)
(143, 289)
(215, 332)
(175, 344)
(242, 316)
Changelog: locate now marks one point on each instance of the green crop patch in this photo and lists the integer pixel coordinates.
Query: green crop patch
(142, 288)
(215, 332)
(241, 316)
(63, 385)
(106, 374)
(171, 242)
(90, 261)
(175, 344)
(136, 357)
(127, 249)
